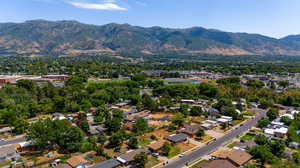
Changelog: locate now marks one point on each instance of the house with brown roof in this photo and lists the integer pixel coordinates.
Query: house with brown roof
(191, 130)
(128, 157)
(143, 114)
(217, 164)
(156, 146)
(238, 157)
(77, 162)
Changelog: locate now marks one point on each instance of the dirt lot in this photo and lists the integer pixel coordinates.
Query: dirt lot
(219, 130)
(159, 115)
(112, 153)
(158, 123)
(185, 146)
(206, 138)
(160, 134)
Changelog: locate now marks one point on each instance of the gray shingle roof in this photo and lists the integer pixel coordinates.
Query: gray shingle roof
(111, 163)
(177, 137)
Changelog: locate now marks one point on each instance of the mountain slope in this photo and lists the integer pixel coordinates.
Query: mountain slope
(71, 37)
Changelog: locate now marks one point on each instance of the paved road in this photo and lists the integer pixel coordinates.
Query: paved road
(12, 141)
(179, 163)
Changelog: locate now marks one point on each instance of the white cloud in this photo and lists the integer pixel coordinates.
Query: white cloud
(105, 5)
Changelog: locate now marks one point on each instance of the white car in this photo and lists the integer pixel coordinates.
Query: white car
(181, 155)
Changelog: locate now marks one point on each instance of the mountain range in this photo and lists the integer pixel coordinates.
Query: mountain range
(71, 37)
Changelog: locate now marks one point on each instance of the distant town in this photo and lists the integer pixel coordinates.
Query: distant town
(155, 119)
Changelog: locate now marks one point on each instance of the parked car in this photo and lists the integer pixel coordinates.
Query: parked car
(181, 155)
(155, 154)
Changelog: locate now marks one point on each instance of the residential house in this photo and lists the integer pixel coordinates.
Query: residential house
(277, 132)
(61, 165)
(176, 138)
(212, 113)
(143, 114)
(224, 119)
(216, 164)
(238, 157)
(128, 157)
(156, 146)
(187, 101)
(77, 162)
(191, 130)
(111, 163)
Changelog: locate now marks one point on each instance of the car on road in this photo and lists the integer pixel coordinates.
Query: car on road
(181, 155)
(2, 139)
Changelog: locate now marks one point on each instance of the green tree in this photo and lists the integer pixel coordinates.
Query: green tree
(200, 133)
(116, 139)
(166, 148)
(48, 133)
(284, 84)
(133, 143)
(296, 157)
(272, 114)
(196, 111)
(101, 138)
(263, 122)
(261, 139)
(277, 147)
(178, 120)
(84, 126)
(141, 126)
(148, 103)
(263, 153)
(141, 160)
(113, 124)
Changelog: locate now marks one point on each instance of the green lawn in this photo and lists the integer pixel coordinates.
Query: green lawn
(231, 145)
(248, 114)
(174, 151)
(4, 163)
(152, 161)
(247, 137)
(143, 141)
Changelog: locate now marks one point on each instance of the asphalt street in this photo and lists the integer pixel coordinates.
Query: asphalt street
(12, 141)
(213, 146)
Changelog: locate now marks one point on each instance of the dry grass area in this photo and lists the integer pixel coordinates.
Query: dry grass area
(112, 153)
(221, 153)
(158, 123)
(206, 138)
(219, 130)
(159, 134)
(185, 146)
(196, 119)
(40, 117)
(159, 115)
(41, 160)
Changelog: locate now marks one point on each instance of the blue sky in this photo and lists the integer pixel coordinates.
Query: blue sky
(276, 18)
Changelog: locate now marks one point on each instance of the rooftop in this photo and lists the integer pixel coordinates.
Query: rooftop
(239, 157)
(177, 137)
(111, 163)
(217, 164)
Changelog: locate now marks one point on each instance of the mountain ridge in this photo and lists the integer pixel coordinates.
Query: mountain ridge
(72, 37)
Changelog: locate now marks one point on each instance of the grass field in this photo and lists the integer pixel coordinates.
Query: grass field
(247, 137)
